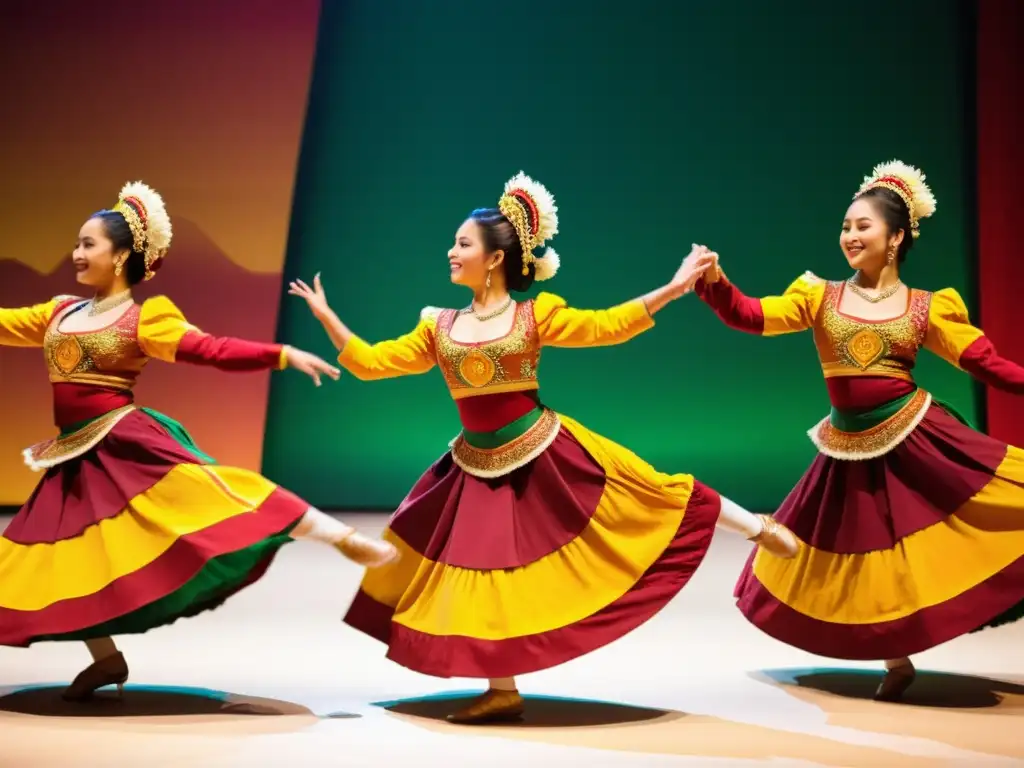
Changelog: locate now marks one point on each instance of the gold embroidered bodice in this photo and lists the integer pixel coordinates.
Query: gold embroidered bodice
(109, 357)
(852, 347)
(507, 364)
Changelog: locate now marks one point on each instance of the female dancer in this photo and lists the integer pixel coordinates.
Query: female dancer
(132, 527)
(533, 540)
(912, 523)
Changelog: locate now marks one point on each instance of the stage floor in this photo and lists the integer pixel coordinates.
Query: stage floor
(275, 679)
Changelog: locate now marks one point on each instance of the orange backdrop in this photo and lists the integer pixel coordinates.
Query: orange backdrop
(205, 101)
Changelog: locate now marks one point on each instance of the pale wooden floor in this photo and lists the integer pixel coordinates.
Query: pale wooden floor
(275, 679)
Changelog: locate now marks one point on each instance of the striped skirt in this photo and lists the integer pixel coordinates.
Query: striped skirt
(913, 541)
(135, 531)
(521, 571)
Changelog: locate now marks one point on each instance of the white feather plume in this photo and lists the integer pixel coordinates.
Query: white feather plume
(158, 223)
(544, 200)
(546, 266)
(920, 193)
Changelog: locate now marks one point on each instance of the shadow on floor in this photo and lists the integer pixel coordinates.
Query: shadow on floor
(541, 711)
(143, 701)
(931, 689)
(600, 725)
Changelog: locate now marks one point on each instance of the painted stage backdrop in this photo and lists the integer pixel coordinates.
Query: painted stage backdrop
(205, 101)
(746, 126)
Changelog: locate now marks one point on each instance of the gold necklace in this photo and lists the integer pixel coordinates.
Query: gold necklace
(103, 305)
(880, 296)
(490, 315)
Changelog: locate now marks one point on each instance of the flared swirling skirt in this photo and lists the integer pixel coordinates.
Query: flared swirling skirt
(901, 552)
(137, 532)
(522, 572)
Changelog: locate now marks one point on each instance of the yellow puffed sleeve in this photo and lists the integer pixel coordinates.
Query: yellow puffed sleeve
(411, 353)
(161, 328)
(559, 325)
(949, 326)
(26, 326)
(796, 308)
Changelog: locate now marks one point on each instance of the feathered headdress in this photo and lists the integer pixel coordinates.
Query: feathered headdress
(907, 182)
(532, 211)
(147, 218)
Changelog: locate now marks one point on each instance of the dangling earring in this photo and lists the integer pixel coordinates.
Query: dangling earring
(891, 256)
(117, 269)
(487, 284)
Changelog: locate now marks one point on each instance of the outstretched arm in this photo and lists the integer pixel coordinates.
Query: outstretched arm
(952, 337)
(559, 325)
(25, 326)
(411, 353)
(791, 312)
(165, 334)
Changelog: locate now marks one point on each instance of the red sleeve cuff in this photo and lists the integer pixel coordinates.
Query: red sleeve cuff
(982, 361)
(737, 311)
(228, 353)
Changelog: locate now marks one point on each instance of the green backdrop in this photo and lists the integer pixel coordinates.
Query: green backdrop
(746, 126)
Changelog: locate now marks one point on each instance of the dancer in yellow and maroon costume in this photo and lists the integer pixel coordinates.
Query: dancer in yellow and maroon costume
(533, 540)
(912, 523)
(132, 526)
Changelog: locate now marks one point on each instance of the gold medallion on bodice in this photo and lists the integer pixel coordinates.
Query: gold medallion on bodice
(865, 347)
(67, 354)
(850, 346)
(504, 364)
(477, 369)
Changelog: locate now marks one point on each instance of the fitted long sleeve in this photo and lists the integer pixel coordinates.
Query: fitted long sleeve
(559, 325)
(411, 353)
(26, 326)
(165, 334)
(792, 312)
(953, 338)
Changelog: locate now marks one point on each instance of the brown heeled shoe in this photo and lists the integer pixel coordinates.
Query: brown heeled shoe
(112, 670)
(492, 707)
(369, 553)
(776, 538)
(895, 683)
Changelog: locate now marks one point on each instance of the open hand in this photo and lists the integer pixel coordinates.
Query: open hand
(311, 365)
(314, 297)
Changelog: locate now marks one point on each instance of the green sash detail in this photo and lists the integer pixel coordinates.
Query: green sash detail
(174, 429)
(854, 422)
(954, 413)
(72, 428)
(505, 435)
(179, 433)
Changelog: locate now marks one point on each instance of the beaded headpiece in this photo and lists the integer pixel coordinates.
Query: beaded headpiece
(907, 182)
(532, 211)
(147, 218)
